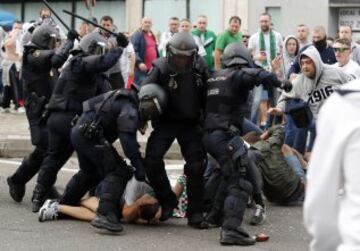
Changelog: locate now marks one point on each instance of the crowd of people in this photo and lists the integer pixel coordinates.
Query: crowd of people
(243, 108)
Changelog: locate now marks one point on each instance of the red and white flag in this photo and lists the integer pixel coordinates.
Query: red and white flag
(89, 3)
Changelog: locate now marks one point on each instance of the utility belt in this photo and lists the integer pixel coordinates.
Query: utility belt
(90, 128)
(36, 107)
(238, 151)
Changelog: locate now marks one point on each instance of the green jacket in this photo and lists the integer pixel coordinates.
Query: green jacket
(280, 180)
(209, 45)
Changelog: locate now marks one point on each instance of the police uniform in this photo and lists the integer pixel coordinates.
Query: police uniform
(39, 74)
(80, 80)
(180, 121)
(104, 119)
(227, 93)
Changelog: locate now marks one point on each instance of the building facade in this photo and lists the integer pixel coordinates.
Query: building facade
(287, 14)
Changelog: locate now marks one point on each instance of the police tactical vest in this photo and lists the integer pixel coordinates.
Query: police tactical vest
(105, 100)
(223, 103)
(74, 87)
(37, 75)
(103, 110)
(185, 92)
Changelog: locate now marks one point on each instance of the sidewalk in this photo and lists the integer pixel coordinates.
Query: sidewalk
(15, 138)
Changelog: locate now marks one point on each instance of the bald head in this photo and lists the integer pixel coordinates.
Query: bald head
(146, 23)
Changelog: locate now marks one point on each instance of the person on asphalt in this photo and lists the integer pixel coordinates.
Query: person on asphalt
(105, 118)
(137, 205)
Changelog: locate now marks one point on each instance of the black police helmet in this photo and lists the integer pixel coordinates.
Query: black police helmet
(45, 36)
(153, 101)
(181, 52)
(236, 54)
(93, 43)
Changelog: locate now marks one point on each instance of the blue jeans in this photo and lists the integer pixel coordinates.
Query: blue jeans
(290, 131)
(300, 143)
(257, 93)
(295, 164)
(249, 126)
(139, 77)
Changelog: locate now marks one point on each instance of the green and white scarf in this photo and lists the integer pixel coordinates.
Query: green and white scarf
(272, 46)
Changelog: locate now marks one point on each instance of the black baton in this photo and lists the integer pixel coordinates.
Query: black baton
(90, 22)
(56, 15)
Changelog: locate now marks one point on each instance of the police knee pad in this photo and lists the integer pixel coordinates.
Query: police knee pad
(245, 186)
(238, 151)
(194, 169)
(227, 169)
(238, 192)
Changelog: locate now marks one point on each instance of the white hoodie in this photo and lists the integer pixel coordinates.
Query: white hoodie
(316, 90)
(333, 220)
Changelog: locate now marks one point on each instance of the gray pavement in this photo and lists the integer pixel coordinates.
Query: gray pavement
(20, 229)
(15, 138)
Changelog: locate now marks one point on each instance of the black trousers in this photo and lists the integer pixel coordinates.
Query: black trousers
(233, 190)
(60, 147)
(189, 139)
(40, 139)
(98, 162)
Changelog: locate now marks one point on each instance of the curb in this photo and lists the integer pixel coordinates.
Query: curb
(16, 146)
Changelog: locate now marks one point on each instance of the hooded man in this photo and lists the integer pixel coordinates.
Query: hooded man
(315, 83)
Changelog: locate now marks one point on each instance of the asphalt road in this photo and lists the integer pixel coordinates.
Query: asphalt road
(20, 229)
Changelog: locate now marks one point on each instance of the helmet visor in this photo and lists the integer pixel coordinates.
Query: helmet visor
(97, 48)
(54, 42)
(149, 109)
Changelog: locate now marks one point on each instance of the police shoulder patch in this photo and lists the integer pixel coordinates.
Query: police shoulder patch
(36, 53)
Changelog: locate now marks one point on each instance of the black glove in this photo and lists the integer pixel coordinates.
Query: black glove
(286, 85)
(139, 174)
(72, 35)
(31, 29)
(122, 40)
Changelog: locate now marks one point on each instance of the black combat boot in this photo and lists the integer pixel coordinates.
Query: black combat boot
(236, 236)
(109, 222)
(39, 197)
(17, 191)
(196, 220)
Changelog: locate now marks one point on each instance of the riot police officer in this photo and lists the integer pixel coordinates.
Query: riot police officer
(39, 74)
(183, 75)
(227, 92)
(80, 80)
(104, 119)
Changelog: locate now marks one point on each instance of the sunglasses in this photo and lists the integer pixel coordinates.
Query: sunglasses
(341, 49)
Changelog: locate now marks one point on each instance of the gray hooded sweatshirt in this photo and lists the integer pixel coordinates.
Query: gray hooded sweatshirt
(317, 90)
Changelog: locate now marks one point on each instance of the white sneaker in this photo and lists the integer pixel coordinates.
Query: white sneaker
(259, 216)
(49, 211)
(21, 110)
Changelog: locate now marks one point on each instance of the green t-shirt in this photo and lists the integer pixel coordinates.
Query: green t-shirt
(209, 45)
(226, 38)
